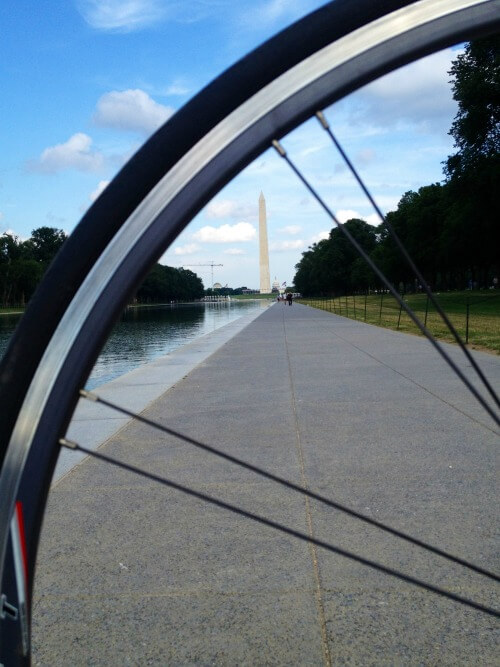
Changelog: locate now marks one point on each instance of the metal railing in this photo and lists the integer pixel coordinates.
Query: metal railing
(476, 317)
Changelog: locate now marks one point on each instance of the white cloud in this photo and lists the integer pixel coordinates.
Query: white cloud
(130, 110)
(228, 208)
(291, 229)
(122, 15)
(321, 236)
(240, 232)
(102, 185)
(133, 15)
(343, 215)
(234, 251)
(15, 235)
(176, 89)
(75, 153)
(284, 246)
(312, 150)
(365, 156)
(188, 249)
(271, 12)
(372, 219)
(418, 93)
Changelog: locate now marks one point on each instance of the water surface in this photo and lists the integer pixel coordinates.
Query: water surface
(147, 332)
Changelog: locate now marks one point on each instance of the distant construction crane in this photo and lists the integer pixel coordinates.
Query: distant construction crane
(211, 265)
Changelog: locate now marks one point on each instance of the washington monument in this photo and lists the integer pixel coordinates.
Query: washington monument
(265, 280)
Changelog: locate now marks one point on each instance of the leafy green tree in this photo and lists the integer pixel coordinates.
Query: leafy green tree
(418, 222)
(19, 272)
(45, 243)
(26, 274)
(476, 88)
(166, 283)
(153, 286)
(473, 173)
(333, 265)
(23, 263)
(9, 253)
(308, 278)
(451, 230)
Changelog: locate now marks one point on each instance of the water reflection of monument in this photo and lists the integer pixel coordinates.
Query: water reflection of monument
(265, 280)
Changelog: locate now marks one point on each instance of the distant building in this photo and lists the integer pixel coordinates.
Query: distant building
(217, 286)
(276, 285)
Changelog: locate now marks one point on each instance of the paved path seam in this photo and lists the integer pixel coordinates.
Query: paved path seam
(181, 582)
(310, 528)
(421, 386)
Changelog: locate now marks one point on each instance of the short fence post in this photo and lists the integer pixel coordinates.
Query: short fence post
(346, 307)
(399, 316)
(354, 301)
(381, 305)
(365, 306)
(467, 312)
(426, 310)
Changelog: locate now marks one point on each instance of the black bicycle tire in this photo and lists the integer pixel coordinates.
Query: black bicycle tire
(104, 220)
(147, 166)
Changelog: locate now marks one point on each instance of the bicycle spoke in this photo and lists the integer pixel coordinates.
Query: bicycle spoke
(143, 210)
(284, 529)
(326, 126)
(283, 154)
(290, 485)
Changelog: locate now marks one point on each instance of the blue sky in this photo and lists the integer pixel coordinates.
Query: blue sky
(85, 82)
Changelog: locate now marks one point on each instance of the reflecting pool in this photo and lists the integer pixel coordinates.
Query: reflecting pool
(147, 332)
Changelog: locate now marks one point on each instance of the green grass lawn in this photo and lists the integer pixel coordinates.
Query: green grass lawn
(383, 310)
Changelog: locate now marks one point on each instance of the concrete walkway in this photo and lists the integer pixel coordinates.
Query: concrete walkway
(93, 424)
(133, 573)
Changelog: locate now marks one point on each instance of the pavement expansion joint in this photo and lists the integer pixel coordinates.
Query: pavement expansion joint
(121, 558)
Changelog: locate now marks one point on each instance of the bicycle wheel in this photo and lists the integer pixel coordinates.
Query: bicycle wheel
(315, 62)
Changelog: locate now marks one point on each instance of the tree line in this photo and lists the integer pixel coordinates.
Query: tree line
(23, 263)
(450, 229)
(167, 283)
